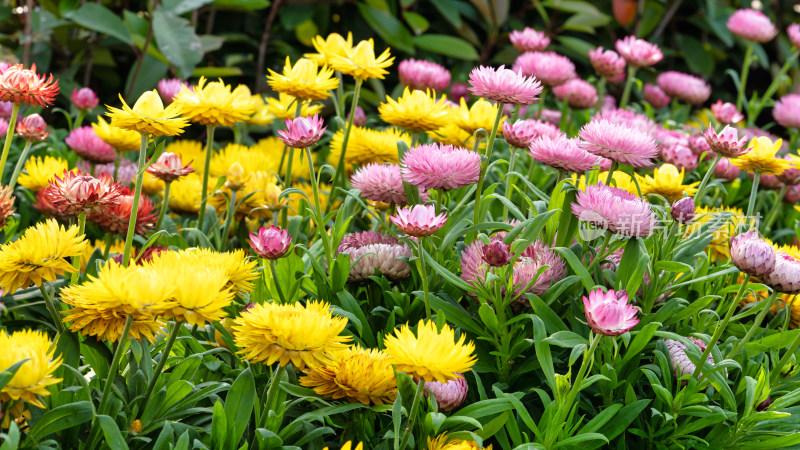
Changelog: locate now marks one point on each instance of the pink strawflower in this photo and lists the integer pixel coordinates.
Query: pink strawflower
(768, 181)
(785, 276)
(563, 154)
(680, 156)
(552, 116)
(526, 277)
(698, 145)
(84, 98)
(609, 102)
(726, 170)
(419, 220)
(787, 111)
(381, 183)
(618, 142)
(496, 253)
(74, 192)
(726, 142)
(271, 243)
(681, 364)
(792, 174)
(360, 118)
(117, 218)
(521, 133)
(421, 75)
(666, 137)
(550, 68)
(617, 79)
(752, 25)
(578, 93)
(459, 91)
(302, 132)
(354, 240)
(608, 313)
(655, 96)
(615, 210)
(682, 211)
(726, 113)
(168, 88)
(3, 126)
(751, 254)
(126, 173)
(638, 52)
(441, 167)
(607, 63)
(169, 167)
(32, 128)
(504, 85)
(689, 88)
(792, 194)
(390, 258)
(85, 142)
(628, 118)
(794, 34)
(5, 109)
(529, 40)
(448, 395)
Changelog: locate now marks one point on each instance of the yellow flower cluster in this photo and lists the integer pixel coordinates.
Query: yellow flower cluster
(39, 172)
(761, 157)
(357, 374)
(34, 375)
(257, 198)
(121, 139)
(415, 111)
(148, 116)
(481, 114)
(719, 248)
(304, 80)
(666, 181)
(367, 145)
(215, 104)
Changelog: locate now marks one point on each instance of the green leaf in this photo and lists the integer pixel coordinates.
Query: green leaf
(622, 420)
(566, 339)
(695, 54)
(246, 5)
(488, 317)
(8, 374)
(577, 267)
(59, 419)
(219, 426)
(582, 438)
(447, 45)
(239, 405)
(111, 432)
(387, 27)
(99, 18)
(177, 41)
(10, 439)
(179, 7)
(418, 23)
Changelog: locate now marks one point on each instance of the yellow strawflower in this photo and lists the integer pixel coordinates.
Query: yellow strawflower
(215, 104)
(306, 335)
(284, 107)
(431, 355)
(360, 61)
(191, 152)
(305, 80)
(41, 254)
(122, 140)
(481, 114)
(151, 185)
(39, 172)
(239, 270)
(357, 374)
(666, 181)
(33, 376)
(719, 247)
(252, 159)
(258, 196)
(184, 194)
(619, 179)
(444, 442)
(761, 157)
(148, 116)
(366, 146)
(349, 446)
(333, 45)
(415, 111)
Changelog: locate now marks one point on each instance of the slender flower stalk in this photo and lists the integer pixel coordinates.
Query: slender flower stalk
(424, 276)
(122, 345)
(753, 191)
(164, 204)
(626, 93)
(204, 190)
(748, 56)
(755, 326)
(287, 180)
(228, 219)
(275, 279)
(76, 260)
(137, 193)
(484, 166)
(338, 176)
(700, 189)
(20, 162)
(51, 308)
(318, 216)
(414, 406)
(274, 384)
(12, 123)
(175, 328)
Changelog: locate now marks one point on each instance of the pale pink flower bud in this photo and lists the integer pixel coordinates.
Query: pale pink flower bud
(84, 98)
(608, 313)
(271, 243)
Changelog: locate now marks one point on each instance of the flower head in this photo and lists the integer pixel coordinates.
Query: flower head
(304, 335)
(271, 243)
(84, 98)
(607, 63)
(85, 142)
(751, 254)
(504, 85)
(356, 374)
(367, 146)
(521, 133)
(689, 88)
(415, 111)
(32, 128)
(423, 75)
(787, 111)
(441, 167)
(34, 375)
(380, 183)
(726, 142)
(529, 40)
(116, 217)
(215, 104)
(148, 116)
(431, 354)
(305, 80)
(655, 96)
(681, 364)
(667, 181)
(550, 68)
(260, 196)
(680, 156)
(283, 107)
(360, 61)
(618, 142)
(563, 154)
(682, 211)
(169, 167)
(419, 220)
(528, 276)
(752, 25)
(638, 52)
(333, 44)
(448, 395)
(615, 210)
(785, 276)
(791, 176)
(239, 269)
(168, 88)
(608, 313)
(370, 251)
(761, 157)
(75, 192)
(726, 113)
(302, 132)
(579, 94)
(24, 87)
(6, 205)
(481, 114)
(39, 171)
(120, 139)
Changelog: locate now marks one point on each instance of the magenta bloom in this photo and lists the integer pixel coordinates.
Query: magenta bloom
(271, 243)
(726, 113)
(442, 167)
(698, 145)
(727, 142)
(752, 25)
(680, 156)
(421, 75)
(497, 254)
(638, 52)
(615, 210)
(726, 170)
(360, 118)
(785, 276)
(381, 183)
(791, 175)
(3, 126)
(682, 211)
(85, 142)
(787, 111)
(503, 85)
(793, 31)
(529, 40)
(628, 118)
(32, 128)
(419, 220)
(681, 364)
(608, 313)
(618, 142)
(5, 109)
(459, 91)
(168, 88)
(302, 132)
(563, 154)
(521, 133)
(578, 93)
(655, 96)
(550, 68)
(168, 167)
(84, 98)
(751, 254)
(607, 63)
(689, 88)
(526, 278)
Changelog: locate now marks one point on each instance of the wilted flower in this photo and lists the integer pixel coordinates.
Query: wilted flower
(504, 85)
(563, 154)
(271, 243)
(168, 88)
(726, 113)
(24, 87)
(607, 63)
(638, 52)
(370, 251)
(785, 276)
(727, 142)
(689, 88)
(84, 98)
(302, 132)
(618, 142)
(85, 142)
(521, 133)
(448, 395)
(419, 220)
(752, 25)
(32, 128)
(608, 313)
(441, 167)
(615, 210)
(787, 111)
(655, 96)
(751, 254)
(682, 211)
(529, 40)
(550, 68)
(422, 75)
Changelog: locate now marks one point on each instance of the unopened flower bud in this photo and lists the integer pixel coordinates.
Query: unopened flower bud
(448, 395)
(497, 253)
(235, 177)
(84, 98)
(752, 255)
(32, 128)
(683, 210)
(765, 404)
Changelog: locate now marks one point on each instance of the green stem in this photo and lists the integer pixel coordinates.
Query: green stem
(601, 93)
(623, 102)
(484, 167)
(173, 334)
(287, 180)
(275, 280)
(109, 238)
(204, 193)
(776, 371)
(753, 191)
(541, 104)
(424, 277)
(79, 119)
(753, 328)
(773, 87)
(76, 260)
(274, 384)
(137, 193)
(611, 170)
(414, 406)
(340, 95)
(51, 307)
(117, 162)
(164, 203)
(588, 357)
(339, 174)
(748, 56)
(20, 162)
(112, 373)
(700, 189)
(318, 218)
(564, 113)
(773, 214)
(12, 122)
(228, 219)
(509, 177)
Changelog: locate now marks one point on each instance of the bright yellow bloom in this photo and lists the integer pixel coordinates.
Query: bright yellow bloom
(39, 172)
(121, 139)
(761, 157)
(252, 159)
(366, 146)
(214, 103)
(34, 375)
(415, 111)
(101, 305)
(284, 107)
(327, 47)
(258, 196)
(619, 179)
(443, 442)
(452, 134)
(304, 80)
(306, 335)
(431, 355)
(667, 181)
(191, 152)
(151, 185)
(41, 254)
(360, 61)
(261, 116)
(116, 247)
(719, 248)
(184, 194)
(357, 374)
(349, 446)
(239, 270)
(481, 114)
(148, 116)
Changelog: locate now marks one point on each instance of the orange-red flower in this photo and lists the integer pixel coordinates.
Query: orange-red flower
(23, 86)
